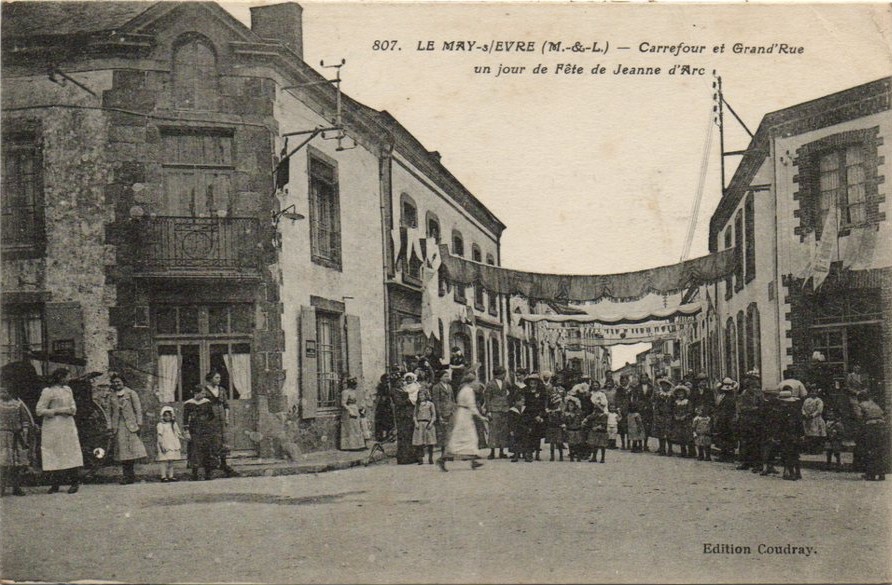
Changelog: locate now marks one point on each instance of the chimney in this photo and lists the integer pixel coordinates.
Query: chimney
(281, 23)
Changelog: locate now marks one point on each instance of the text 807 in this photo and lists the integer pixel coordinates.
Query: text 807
(384, 46)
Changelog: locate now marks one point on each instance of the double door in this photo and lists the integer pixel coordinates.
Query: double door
(182, 366)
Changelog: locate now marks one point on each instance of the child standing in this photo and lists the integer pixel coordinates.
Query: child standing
(612, 427)
(554, 431)
(425, 434)
(635, 428)
(170, 447)
(15, 424)
(516, 435)
(597, 424)
(835, 433)
(573, 428)
(702, 427)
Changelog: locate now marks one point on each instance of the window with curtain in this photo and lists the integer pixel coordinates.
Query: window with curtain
(329, 358)
(753, 338)
(433, 226)
(22, 333)
(325, 213)
(749, 210)
(730, 349)
(408, 212)
(842, 187)
(195, 75)
(198, 169)
(741, 343)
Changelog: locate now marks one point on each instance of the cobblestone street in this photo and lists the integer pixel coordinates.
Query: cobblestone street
(633, 518)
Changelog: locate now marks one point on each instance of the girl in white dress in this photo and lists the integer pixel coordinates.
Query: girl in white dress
(170, 446)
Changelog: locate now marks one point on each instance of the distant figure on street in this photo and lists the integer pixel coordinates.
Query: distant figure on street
(424, 437)
(702, 428)
(497, 404)
(217, 395)
(202, 433)
(875, 439)
(833, 444)
(15, 428)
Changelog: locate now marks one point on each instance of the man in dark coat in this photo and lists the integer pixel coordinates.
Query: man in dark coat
(703, 395)
(723, 420)
(535, 403)
(444, 404)
(749, 404)
(497, 404)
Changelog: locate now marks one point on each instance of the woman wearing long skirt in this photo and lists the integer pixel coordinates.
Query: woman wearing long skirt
(60, 447)
(351, 429)
(404, 398)
(463, 439)
(126, 422)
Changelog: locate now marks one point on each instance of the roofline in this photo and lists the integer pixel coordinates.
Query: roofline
(828, 110)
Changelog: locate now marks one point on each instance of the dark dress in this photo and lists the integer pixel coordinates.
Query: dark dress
(643, 399)
(791, 432)
(680, 427)
(534, 416)
(205, 445)
(723, 425)
(404, 413)
(623, 396)
(383, 411)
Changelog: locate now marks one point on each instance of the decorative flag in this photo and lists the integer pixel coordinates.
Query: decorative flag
(824, 255)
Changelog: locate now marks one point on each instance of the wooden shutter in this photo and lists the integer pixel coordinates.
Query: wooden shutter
(64, 328)
(354, 349)
(309, 386)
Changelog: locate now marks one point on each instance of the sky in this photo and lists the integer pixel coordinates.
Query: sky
(592, 173)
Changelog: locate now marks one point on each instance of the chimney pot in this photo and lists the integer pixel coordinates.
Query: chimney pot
(280, 22)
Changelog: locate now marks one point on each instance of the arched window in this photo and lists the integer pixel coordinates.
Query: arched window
(195, 74)
(496, 355)
(408, 211)
(433, 226)
(753, 338)
(458, 243)
(741, 344)
(476, 254)
(730, 348)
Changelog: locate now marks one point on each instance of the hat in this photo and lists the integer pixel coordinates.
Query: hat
(498, 371)
(796, 388)
(681, 388)
(728, 382)
(444, 374)
(521, 371)
(351, 381)
(754, 373)
(817, 357)
(409, 377)
(166, 409)
(701, 376)
(533, 376)
(665, 381)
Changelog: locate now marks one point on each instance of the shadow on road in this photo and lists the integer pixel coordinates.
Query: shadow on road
(249, 498)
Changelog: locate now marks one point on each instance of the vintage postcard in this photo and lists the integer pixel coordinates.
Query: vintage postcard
(419, 292)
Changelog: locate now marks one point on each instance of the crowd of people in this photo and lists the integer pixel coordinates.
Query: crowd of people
(445, 407)
(201, 440)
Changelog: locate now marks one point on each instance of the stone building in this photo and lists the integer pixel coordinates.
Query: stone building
(163, 217)
(807, 210)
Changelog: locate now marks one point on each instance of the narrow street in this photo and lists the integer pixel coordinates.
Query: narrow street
(629, 520)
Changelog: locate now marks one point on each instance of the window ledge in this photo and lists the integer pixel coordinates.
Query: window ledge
(327, 263)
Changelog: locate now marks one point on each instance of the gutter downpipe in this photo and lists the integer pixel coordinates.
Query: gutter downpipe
(385, 181)
(778, 286)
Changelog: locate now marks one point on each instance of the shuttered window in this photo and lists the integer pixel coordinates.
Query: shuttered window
(198, 168)
(325, 213)
(22, 200)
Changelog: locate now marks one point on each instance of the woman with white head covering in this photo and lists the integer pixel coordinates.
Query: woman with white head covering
(404, 397)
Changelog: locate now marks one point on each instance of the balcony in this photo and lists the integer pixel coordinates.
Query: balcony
(198, 247)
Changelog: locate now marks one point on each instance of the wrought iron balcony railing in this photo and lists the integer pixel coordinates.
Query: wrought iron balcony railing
(198, 246)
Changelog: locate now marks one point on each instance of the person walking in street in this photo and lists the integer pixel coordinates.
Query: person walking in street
(217, 395)
(497, 404)
(623, 396)
(575, 433)
(875, 438)
(749, 403)
(169, 443)
(60, 447)
(15, 430)
(126, 423)
(201, 432)
(425, 434)
(351, 428)
(463, 440)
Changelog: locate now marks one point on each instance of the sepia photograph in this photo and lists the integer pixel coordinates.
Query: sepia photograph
(431, 292)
